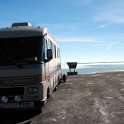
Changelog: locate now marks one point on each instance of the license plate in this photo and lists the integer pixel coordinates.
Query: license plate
(17, 105)
(26, 105)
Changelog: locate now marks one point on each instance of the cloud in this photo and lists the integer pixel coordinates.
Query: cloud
(62, 26)
(104, 25)
(115, 16)
(111, 45)
(81, 2)
(78, 2)
(89, 39)
(111, 13)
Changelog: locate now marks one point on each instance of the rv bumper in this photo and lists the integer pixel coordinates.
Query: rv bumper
(22, 105)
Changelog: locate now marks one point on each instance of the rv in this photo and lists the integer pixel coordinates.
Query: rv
(30, 66)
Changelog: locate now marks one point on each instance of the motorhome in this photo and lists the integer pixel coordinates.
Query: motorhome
(30, 66)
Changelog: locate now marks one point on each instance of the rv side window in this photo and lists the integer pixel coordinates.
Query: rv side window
(45, 47)
(55, 51)
(58, 52)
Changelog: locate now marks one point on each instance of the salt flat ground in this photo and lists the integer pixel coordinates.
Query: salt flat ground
(85, 99)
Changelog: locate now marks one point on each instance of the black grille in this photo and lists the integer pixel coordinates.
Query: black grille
(12, 91)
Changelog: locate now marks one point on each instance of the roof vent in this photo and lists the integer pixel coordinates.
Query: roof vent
(21, 24)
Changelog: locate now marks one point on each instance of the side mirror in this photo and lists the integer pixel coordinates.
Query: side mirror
(49, 54)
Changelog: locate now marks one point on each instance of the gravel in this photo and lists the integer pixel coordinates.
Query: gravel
(84, 99)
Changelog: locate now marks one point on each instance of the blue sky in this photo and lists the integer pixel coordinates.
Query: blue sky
(87, 30)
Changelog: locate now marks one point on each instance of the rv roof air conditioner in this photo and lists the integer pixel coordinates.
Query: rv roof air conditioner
(21, 24)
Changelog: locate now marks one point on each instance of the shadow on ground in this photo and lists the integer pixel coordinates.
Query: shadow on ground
(17, 117)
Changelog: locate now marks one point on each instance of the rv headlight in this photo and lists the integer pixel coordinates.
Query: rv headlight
(4, 99)
(17, 98)
(32, 90)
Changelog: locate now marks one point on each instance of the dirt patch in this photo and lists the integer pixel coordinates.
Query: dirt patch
(86, 99)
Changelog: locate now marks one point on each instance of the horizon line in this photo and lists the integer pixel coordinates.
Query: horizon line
(97, 62)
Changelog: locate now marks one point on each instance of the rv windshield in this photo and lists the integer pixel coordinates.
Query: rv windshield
(20, 51)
